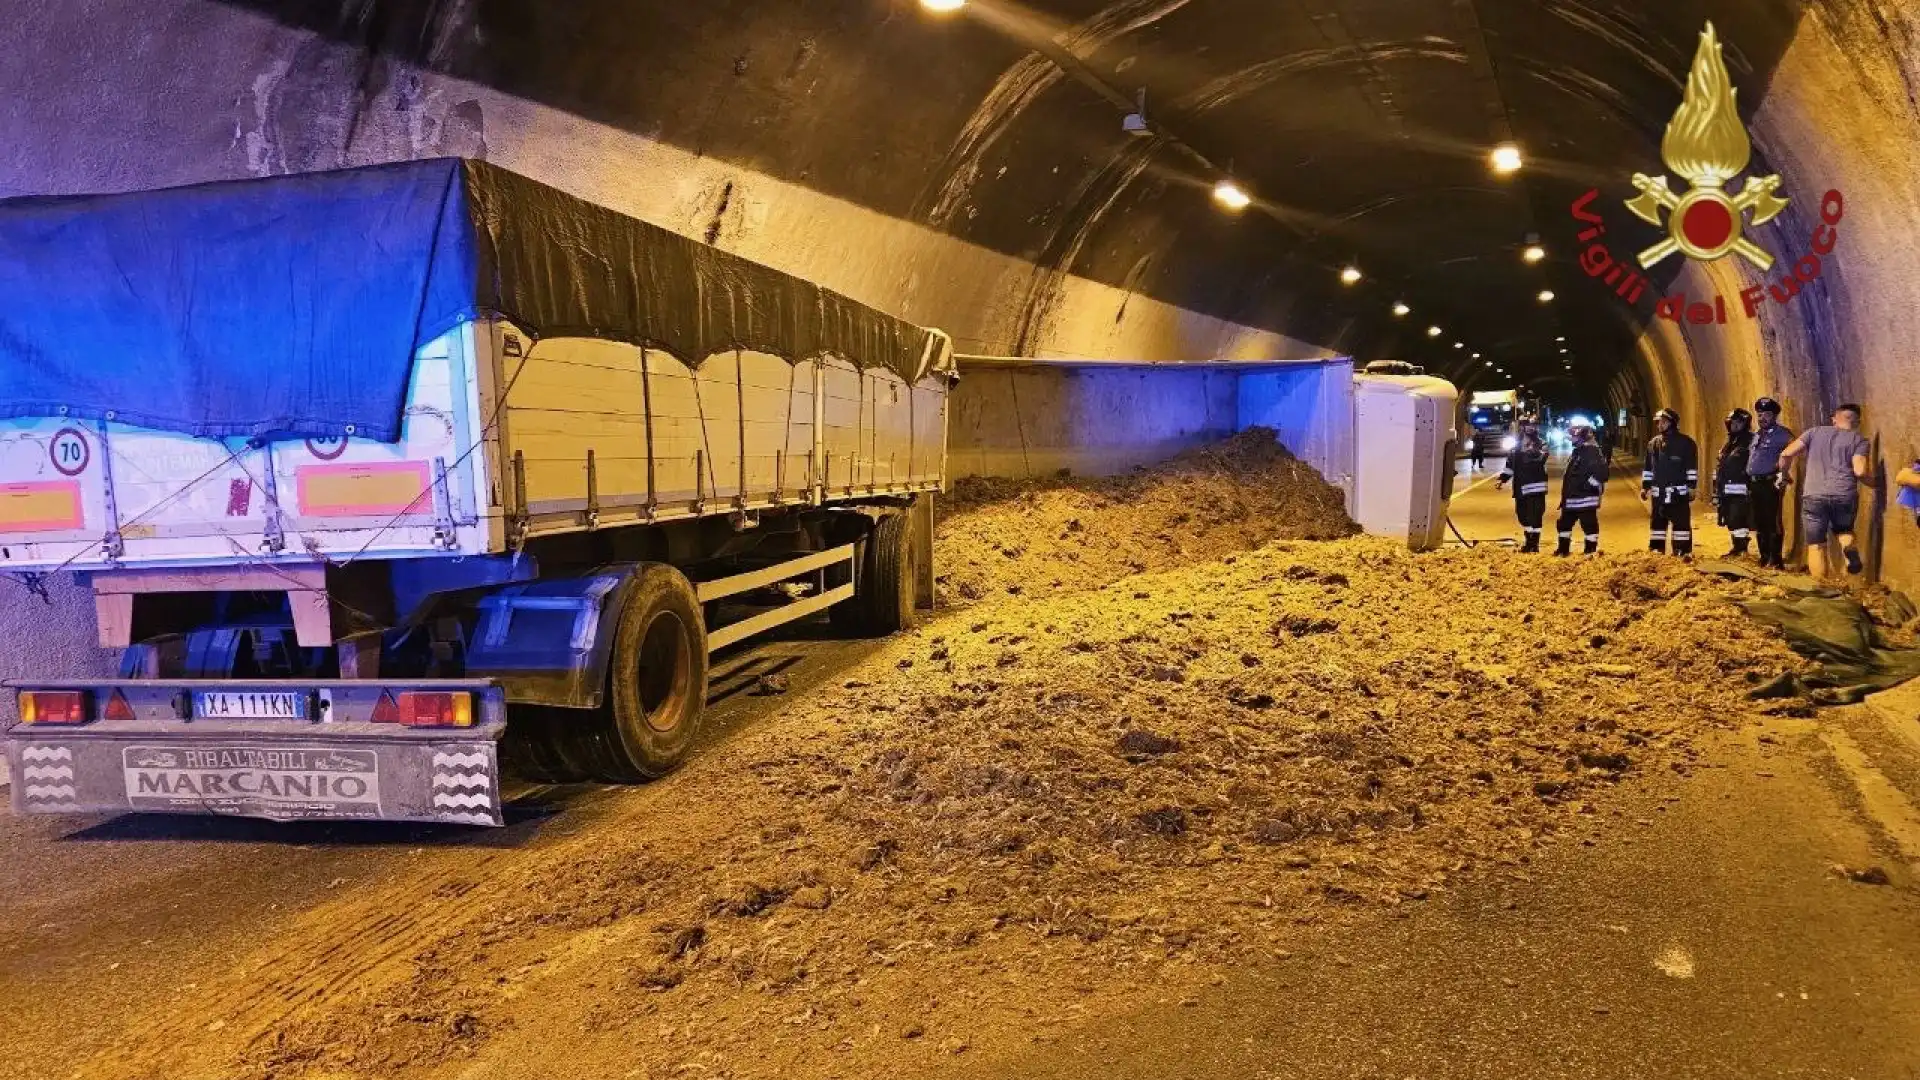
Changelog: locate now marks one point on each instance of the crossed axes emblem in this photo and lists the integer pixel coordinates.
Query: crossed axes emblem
(1711, 209)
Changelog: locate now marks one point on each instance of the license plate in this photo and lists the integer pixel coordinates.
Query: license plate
(250, 705)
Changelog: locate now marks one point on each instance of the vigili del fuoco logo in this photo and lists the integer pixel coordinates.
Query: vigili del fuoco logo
(1706, 145)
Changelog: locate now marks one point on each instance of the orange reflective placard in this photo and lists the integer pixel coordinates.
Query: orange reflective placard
(40, 506)
(365, 489)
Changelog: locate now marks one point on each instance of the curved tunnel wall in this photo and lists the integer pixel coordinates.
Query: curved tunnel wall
(1839, 114)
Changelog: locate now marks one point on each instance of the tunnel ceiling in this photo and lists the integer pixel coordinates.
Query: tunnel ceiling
(1362, 127)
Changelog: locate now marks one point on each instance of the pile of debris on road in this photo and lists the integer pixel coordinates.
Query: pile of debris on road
(1038, 538)
(1345, 721)
(1181, 764)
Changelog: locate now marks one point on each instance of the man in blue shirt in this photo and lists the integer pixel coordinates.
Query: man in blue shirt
(1770, 437)
(1836, 466)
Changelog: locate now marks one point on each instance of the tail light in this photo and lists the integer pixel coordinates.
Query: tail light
(118, 708)
(414, 708)
(54, 706)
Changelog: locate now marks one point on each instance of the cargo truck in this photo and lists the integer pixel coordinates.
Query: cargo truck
(1493, 418)
(381, 477)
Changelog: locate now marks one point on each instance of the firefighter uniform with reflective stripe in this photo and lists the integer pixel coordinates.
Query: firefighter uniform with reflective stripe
(1526, 470)
(1580, 489)
(1732, 494)
(1671, 474)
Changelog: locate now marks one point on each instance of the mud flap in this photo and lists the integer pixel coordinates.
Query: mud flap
(292, 776)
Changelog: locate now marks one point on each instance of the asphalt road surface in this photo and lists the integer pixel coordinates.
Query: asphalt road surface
(1482, 514)
(1712, 939)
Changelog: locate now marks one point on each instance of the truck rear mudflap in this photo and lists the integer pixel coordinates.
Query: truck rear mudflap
(378, 750)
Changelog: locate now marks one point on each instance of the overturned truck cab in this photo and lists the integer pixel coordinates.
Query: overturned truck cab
(371, 523)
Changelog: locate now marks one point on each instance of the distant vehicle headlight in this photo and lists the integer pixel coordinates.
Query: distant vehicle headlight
(1509, 443)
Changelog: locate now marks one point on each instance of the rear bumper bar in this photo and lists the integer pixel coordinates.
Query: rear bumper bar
(345, 769)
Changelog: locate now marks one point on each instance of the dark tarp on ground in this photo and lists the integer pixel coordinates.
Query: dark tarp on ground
(293, 305)
(1829, 627)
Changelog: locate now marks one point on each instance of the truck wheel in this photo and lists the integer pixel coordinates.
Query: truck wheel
(883, 591)
(657, 680)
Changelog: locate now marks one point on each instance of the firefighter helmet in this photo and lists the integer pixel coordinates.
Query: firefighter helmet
(1670, 416)
(1767, 404)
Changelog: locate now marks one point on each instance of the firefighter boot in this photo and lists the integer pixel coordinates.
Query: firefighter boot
(1566, 545)
(1593, 545)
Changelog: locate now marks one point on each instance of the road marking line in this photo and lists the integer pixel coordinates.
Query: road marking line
(1476, 485)
(1884, 802)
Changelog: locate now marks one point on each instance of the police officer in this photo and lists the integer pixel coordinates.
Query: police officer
(1667, 480)
(1765, 481)
(1731, 494)
(1580, 488)
(1526, 469)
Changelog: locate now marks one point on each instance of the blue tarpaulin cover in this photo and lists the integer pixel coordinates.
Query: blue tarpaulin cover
(293, 305)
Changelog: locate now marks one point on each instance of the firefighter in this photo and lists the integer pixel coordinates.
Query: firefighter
(1766, 482)
(1731, 497)
(1667, 481)
(1526, 469)
(1580, 488)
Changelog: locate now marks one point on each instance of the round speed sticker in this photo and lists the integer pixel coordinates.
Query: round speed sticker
(70, 452)
(327, 448)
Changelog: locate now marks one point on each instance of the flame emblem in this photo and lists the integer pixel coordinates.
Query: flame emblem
(1708, 146)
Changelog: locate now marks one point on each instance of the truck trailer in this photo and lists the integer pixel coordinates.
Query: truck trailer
(382, 478)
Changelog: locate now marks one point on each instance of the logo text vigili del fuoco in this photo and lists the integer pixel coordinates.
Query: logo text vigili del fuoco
(1706, 145)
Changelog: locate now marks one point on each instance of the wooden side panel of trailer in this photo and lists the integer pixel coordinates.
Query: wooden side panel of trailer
(743, 430)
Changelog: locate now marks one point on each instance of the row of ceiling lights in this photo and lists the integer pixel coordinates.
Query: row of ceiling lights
(1504, 159)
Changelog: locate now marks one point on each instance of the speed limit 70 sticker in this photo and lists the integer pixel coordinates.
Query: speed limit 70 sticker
(70, 452)
(327, 447)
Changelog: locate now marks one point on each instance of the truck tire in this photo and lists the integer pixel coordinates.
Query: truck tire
(883, 591)
(656, 681)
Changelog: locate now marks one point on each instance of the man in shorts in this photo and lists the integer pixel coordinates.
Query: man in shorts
(1829, 498)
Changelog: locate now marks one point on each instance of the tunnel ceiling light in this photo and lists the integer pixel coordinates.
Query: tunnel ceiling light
(1534, 253)
(1563, 352)
(1506, 158)
(1476, 356)
(1459, 344)
(1401, 311)
(1546, 296)
(1434, 331)
(1350, 276)
(1231, 195)
(943, 6)
(1559, 339)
